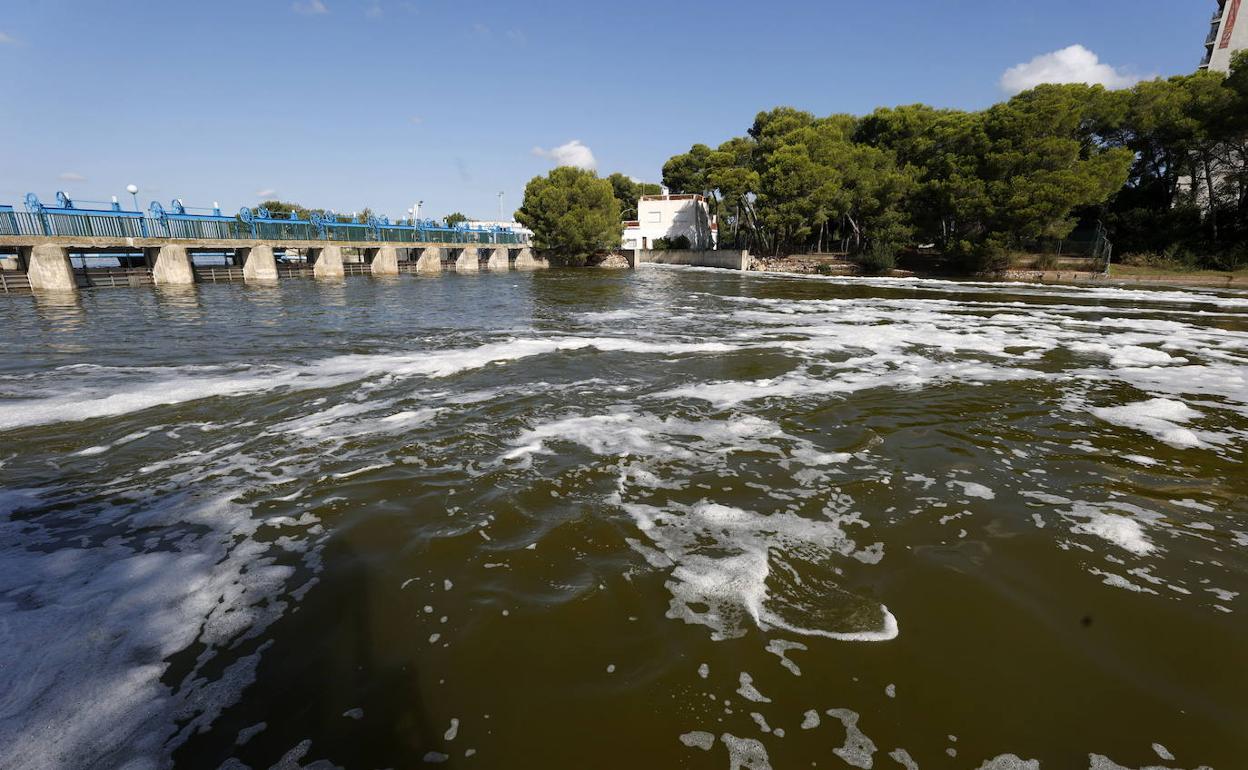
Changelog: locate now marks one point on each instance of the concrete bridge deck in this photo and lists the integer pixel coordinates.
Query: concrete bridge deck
(48, 267)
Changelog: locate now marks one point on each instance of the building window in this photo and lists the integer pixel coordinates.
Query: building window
(655, 217)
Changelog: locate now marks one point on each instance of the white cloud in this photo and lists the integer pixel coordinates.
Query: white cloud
(571, 154)
(6, 39)
(71, 176)
(310, 7)
(1074, 64)
(267, 192)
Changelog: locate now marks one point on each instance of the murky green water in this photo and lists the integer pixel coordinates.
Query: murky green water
(668, 519)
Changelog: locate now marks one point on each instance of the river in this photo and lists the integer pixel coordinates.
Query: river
(672, 518)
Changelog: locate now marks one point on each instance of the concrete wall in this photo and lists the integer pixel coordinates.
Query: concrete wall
(328, 262)
(172, 267)
(259, 264)
(385, 261)
(49, 269)
(469, 260)
(430, 260)
(730, 260)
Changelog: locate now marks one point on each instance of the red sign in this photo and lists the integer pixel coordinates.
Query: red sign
(1229, 25)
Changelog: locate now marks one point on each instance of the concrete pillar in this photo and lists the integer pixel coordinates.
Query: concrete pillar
(386, 261)
(469, 260)
(172, 267)
(499, 259)
(259, 264)
(328, 262)
(430, 260)
(49, 269)
(526, 261)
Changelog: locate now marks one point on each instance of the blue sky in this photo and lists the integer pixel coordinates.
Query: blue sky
(354, 103)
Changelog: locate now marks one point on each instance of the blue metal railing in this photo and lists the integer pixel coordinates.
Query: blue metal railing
(8, 221)
(178, 222)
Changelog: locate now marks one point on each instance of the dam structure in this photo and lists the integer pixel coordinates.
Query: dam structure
(178, 246)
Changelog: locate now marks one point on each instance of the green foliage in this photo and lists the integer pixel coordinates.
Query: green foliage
(572, 214)
(1144, 162)
(877, 260)
(453, 219)
(1046, 262)
(627, 192)
(679, 243)
(984, 258)
(283, 209)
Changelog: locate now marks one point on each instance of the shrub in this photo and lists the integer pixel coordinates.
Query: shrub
(825, 270)
(1046, 262)
(1232, 260)
(880, 258)
(679, 243)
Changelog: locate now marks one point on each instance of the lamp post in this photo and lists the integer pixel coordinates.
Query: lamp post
(417, 207)
(500, 208)
(134, 193)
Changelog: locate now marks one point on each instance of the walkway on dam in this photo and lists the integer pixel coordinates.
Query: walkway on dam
(37, 246)
(46, 265)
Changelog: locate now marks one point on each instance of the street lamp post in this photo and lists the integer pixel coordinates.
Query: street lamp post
(500, 209)
(134, 193)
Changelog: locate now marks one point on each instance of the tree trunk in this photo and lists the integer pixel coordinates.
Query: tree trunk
(1213, 202)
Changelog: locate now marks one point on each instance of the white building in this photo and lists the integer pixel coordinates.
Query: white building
(512, 225)
(1228, 34)
(671, 216)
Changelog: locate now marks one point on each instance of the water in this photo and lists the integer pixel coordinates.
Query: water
(672, 518)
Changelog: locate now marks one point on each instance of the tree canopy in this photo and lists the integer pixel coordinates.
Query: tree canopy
(627, 192)
(1162, 165)
(572, 213)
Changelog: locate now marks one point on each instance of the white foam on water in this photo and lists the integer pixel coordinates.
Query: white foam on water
(858, 750)
(1159, 417)
(452, 731)
(146, 387)
(1010, 762)
(1123, 531)
(1102, 762)
(902, 757)
(99, 623)
(698, 740)
(810, 720)
(781, 648)
(973, 489)
(745, 753)
(761, 721)
(1163, 752)
(1118, 581)
(732, 584)
(748, 691)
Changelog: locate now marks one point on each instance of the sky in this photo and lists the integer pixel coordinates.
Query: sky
(348, 104)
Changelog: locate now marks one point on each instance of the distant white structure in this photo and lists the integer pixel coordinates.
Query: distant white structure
(1228, 34)
(515, 227)
(671, 216)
